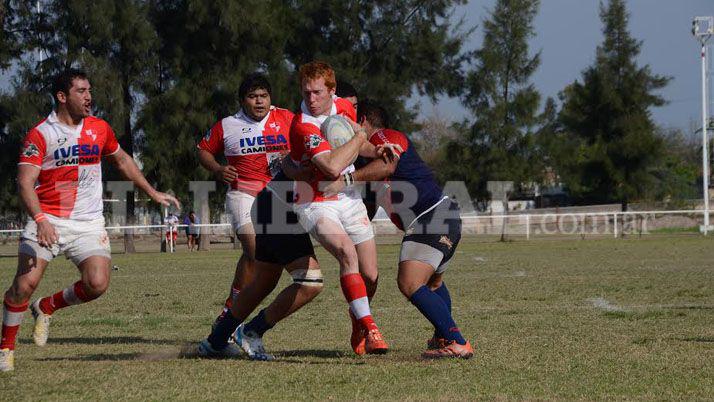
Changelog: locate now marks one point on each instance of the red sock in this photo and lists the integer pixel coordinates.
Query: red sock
(11, 320)
(356, 294)
(70, 296)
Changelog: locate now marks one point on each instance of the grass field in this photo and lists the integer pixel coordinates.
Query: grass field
(572, 319)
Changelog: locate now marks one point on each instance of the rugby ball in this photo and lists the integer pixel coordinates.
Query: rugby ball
(337, 130)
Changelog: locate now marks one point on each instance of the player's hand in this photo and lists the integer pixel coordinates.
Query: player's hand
(227, 173)
(331, 188)
(46, 234)
(389, 152)
(359, 130)
(166, 199)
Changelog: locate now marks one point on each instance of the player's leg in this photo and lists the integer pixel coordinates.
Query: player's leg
(239, 205)
(87, 246)
(307, 284)
(437, 285)
(29, 272)
(412, 280)
(354, 218)
(93, 283)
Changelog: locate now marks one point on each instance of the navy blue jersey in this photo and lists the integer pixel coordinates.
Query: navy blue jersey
(413, 171)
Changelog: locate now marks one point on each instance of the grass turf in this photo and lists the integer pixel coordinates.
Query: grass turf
(566, 319)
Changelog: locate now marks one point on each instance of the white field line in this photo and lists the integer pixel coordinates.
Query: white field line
(602, 304)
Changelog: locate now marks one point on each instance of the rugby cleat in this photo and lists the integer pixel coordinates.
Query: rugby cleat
(436, 343)
(451, 350)
(42, 324)
(205, 349)
(252, 344)
(375, 343)
(7, 360)
(358, 338)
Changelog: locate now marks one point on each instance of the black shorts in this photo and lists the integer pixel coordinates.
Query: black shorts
(434, 236)
(279, 238)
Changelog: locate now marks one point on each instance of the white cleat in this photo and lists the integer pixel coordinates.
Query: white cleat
(42, 324)
(206, 350)
(252, 344)
(7, 360)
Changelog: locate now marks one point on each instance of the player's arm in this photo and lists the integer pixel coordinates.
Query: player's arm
(375, 170)
(127, 167)
(334, 162)
(226, 173)
(26, 178)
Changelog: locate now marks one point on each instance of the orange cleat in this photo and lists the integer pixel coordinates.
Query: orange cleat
(375, 344)
(436, 343)
(452, 349)
(358, 338)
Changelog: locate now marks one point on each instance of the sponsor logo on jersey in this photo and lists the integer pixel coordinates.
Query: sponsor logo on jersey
(313, 141)
(275, 126)
(30, 150)
(91, 133)
(76, 154)
(260, 144)
(446, 241)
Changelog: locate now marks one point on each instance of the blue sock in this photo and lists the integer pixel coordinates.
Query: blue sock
(443, 292)
(223, 330)
(434, 309)
(258, 324)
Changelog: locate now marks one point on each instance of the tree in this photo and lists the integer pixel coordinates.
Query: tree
(498, 143)
(607, 118)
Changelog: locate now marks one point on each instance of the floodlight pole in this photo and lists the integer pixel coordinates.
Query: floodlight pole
(703, 29)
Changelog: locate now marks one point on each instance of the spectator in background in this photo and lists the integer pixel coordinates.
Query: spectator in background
(192, 230)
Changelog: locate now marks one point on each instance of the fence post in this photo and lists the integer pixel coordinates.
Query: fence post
(528, 227)
(615, 228)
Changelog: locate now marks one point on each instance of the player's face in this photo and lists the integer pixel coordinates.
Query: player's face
(317, 96)
(256, 104)
(79, 99)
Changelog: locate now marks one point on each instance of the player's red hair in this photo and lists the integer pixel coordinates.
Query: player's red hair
(318, 69)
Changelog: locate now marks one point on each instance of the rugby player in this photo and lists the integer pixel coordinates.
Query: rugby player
(60, 184)
(339, 222)
(253, 142)
(432, 228)
(268, 251)
(278, 244)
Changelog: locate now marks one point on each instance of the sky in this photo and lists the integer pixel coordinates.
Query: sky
(567, 33)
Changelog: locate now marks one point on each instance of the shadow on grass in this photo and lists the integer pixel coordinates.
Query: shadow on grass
(109, 340)
(320, 353)
(704, 339)
(94, 357)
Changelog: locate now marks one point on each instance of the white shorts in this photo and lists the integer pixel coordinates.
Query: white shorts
(349, 213)
(78, 240)
(238, 204)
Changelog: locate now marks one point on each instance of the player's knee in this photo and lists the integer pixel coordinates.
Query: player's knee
(407, 286)
(310, 280)
(96, 285)
(347, 257)
(21, 292)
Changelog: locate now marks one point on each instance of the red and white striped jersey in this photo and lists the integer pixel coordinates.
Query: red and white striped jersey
(254, 148)
(69, 158)
(306, 142)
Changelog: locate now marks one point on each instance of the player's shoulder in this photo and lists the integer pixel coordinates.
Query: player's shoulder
(388, 135)
(304, 123)
(282, 113)
(345, 108)
(96, 123)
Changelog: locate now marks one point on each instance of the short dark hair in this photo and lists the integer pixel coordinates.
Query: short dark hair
(63, 81)
(252, 82)
(345, 89)
(375, 114)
